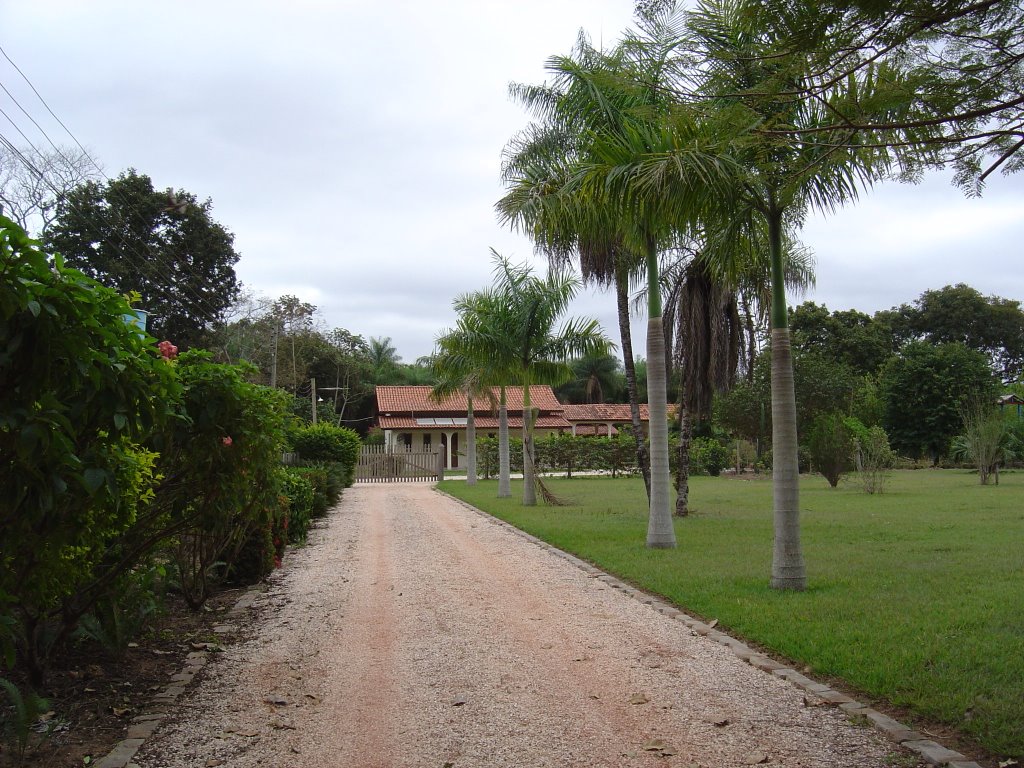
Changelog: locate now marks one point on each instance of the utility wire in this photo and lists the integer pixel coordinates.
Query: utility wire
(207, 311)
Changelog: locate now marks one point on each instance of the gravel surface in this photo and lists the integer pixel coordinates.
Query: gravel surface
(416, 632)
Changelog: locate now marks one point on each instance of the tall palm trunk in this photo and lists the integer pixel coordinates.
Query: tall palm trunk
(788, 571)
(470, 443)
(643, 458)
(504, 484)
(683, 467)
(529, 476)
(660, 530)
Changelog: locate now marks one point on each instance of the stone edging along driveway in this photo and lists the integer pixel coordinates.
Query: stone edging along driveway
(929, 750)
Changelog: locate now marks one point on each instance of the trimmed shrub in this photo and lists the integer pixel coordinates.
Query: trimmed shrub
(298, 490)
(327, 443)
(708, 457)
(830, 445)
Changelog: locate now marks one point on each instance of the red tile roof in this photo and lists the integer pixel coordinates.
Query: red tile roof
(617, 413)
(396, 400)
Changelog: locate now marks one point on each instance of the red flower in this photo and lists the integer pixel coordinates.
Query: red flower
(226, 440)
(167, 350)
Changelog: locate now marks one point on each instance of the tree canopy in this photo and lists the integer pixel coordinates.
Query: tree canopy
(163, 245)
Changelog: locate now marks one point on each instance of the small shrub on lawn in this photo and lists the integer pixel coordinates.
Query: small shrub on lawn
(327, 443)
(708, 457)
(830, 446)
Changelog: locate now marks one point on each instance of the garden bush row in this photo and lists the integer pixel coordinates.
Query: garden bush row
(616, 455)
(121, 462)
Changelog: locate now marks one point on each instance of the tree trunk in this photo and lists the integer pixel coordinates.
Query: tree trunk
(470, 444)
(643, 459)
(504, 484)
(661, 532)
(683, 467)
(788, 571)
(529, 476)
(748, 320)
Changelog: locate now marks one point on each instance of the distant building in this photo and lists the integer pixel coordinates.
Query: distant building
(1007, 404)
(410, 417)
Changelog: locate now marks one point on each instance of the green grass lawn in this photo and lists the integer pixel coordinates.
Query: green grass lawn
(915, 596)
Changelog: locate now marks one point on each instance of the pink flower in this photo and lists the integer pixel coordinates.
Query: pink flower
(226, 440)
(167, 350)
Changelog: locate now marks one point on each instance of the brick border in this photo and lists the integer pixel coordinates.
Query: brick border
(160, 707)
(930, 751)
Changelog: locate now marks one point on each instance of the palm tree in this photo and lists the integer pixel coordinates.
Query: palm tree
(596, 378)
(384, 359)
(601, 113)
(745, 89)
(540, 160)
(478, 353)
(533, 306)
(454, 372)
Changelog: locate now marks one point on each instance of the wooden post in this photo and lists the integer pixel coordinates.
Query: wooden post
(312, 396)
(440, 463)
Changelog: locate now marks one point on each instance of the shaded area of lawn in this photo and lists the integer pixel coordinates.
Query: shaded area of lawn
(915, 596)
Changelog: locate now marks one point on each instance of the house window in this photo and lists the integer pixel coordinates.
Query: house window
(426, 441)
(407, 440)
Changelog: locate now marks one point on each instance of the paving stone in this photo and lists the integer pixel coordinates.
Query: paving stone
(148, 716)
(933, 752)
(182, 677)
(894, 729)
(764, 663)
(835, 697)
(853, 707)
(224, 629)
(121, 754)
(192, 655)
(143, 730)
(963, 764)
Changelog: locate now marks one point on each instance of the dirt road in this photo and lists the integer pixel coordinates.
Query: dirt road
(415, 632)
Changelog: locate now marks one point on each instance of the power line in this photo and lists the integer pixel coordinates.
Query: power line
(206, 310)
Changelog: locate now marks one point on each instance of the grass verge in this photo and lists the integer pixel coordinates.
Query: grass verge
(915, 596)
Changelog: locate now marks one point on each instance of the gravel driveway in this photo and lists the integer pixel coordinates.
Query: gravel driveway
(416, 632)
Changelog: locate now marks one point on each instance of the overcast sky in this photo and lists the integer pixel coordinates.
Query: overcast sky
(353, 148)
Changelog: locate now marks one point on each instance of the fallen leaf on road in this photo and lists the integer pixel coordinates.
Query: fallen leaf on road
(713, 623)
(756, 758)
(638, 698)
(720, 722)
(213, 762)
(277, 701)
(459, 701)
(277, 725)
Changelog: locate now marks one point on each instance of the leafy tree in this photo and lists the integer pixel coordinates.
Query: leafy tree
(960, 103)
(923, 390)
(163, 245)
(959, 313)
(848, 337)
